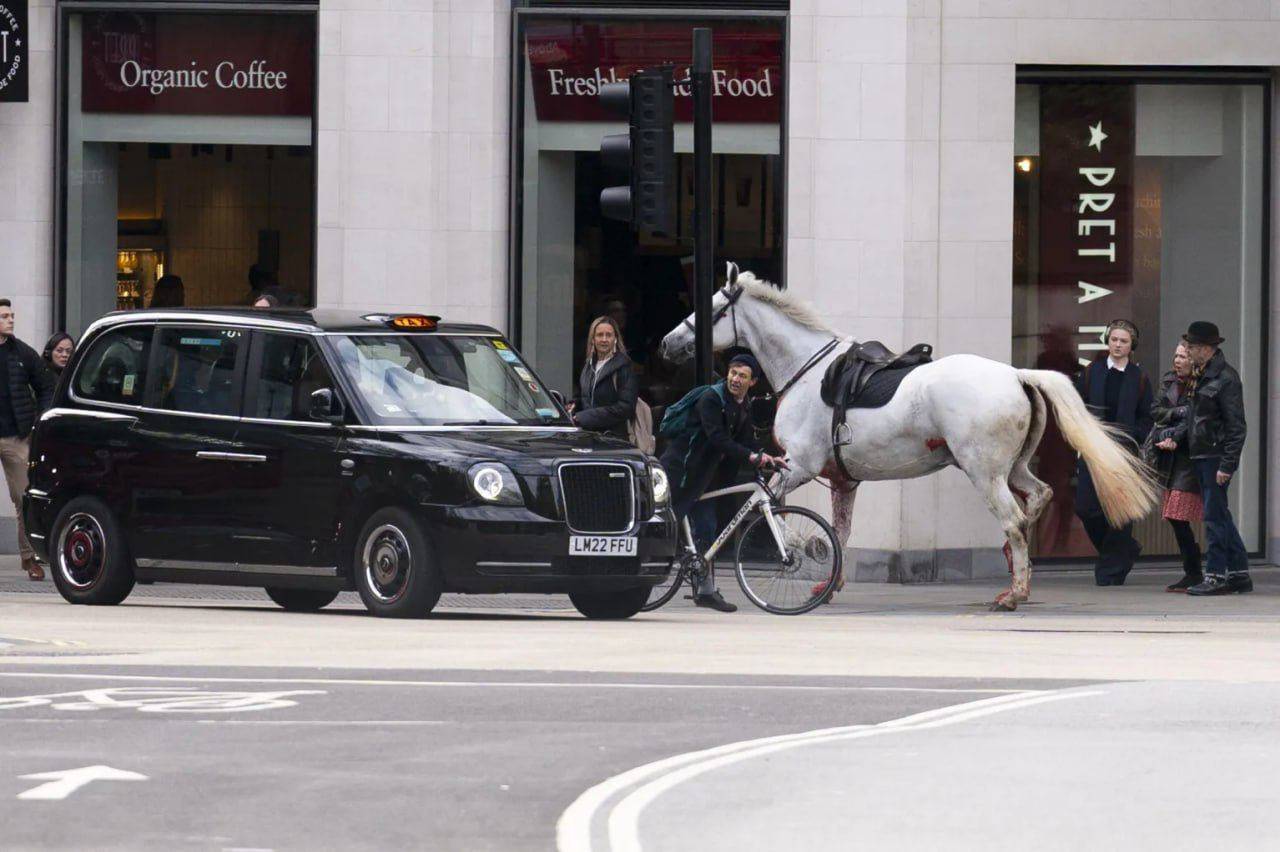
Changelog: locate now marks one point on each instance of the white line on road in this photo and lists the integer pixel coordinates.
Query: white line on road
(573, 829)
(518, 683)
(64, 782)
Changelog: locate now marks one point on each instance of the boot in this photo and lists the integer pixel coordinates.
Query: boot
(1192, 572)
(713, 600)
(33, 569)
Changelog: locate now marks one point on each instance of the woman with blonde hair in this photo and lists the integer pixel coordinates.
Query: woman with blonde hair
(608, 387)
(1167, 451)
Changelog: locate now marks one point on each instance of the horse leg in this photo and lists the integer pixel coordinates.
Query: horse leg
(843, 493)
(1013, 521)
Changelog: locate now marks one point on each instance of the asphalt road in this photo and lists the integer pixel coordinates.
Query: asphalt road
(898, 718)
(283, 759)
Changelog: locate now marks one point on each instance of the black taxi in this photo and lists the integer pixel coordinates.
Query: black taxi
(311, 452)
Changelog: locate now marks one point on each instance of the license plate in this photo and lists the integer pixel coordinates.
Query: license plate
(602, 545)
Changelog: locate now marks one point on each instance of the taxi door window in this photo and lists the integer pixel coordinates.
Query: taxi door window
(199, 370)
(115, 370)
(291, 369)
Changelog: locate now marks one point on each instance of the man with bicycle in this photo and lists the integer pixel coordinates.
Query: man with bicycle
(720, 438)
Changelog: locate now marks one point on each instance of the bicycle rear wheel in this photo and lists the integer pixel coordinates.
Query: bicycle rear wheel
(794, 581)
(660, 594)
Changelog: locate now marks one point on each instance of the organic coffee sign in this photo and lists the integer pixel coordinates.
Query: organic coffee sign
(198, 64)
(570, 60)
(13, 50)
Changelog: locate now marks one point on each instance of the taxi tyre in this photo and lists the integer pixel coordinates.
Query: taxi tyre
(300, 600)
(394, 570)
(613, 605)
(88, 556)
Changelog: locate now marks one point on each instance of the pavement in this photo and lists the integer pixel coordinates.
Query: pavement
(898, 717)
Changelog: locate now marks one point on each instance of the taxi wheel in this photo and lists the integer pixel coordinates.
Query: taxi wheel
(394, 568)
(623, 604)
(89, 559)
(300, 600)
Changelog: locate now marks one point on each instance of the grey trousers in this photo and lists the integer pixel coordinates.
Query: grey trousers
(13, 457)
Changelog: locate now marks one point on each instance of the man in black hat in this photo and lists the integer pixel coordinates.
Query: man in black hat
(719, 440)
(1215, 439)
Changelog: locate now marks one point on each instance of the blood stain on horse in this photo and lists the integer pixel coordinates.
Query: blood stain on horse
(935, 443)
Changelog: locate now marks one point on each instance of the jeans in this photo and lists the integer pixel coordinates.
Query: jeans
(1225, 551)
(702, 523)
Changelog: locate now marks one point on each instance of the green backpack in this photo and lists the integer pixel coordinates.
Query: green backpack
(677, 422)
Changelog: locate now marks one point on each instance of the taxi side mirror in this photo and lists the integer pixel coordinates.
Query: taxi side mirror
(326, 407)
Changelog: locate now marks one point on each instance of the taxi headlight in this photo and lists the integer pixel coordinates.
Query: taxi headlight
(661, 485)
(495, 483)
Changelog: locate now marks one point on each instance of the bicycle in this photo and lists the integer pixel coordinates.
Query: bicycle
(787, 559)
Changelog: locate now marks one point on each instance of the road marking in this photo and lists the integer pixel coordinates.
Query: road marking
(356, 722)
(158, 699)
(517, 683)
(64, 782)
(573, 829)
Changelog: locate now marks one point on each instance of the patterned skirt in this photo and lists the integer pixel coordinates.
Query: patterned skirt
(1183, 506)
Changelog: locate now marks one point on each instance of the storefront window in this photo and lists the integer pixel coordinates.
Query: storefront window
(1145, 202)
(574, 265)
(189, 160)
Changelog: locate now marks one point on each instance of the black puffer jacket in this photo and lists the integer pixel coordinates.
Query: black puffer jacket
(30, 384)
(606, 398)
(1217, 415)
(1172, 416)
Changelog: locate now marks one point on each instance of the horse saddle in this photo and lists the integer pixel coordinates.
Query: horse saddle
(866, 375)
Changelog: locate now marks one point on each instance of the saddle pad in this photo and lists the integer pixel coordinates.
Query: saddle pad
(881, 388)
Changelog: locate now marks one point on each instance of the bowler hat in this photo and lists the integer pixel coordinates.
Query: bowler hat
(1204, 333)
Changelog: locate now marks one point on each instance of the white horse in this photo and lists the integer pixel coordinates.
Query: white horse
(979, 415)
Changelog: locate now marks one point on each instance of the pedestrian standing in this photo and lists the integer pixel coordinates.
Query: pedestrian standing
(58, 351)
(26, 390)
(1183, 504)
(607, 388)
(1216, 438)
(1118, 392)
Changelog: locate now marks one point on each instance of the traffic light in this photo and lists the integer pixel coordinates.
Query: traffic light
(646, 153)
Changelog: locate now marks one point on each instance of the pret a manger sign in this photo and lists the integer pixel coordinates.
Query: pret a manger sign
(198, 64)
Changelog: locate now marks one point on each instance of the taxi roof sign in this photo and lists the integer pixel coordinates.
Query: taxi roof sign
(418, 321)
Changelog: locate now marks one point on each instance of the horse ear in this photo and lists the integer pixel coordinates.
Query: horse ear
(730, 272)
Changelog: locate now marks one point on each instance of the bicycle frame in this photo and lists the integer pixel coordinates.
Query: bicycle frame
(761, 497)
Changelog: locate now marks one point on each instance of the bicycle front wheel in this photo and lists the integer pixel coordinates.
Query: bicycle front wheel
(796, 577)
(660, 594)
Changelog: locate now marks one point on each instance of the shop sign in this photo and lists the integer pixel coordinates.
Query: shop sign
(570, 60)
(13, 50)
(198, 64)
(1087, 215)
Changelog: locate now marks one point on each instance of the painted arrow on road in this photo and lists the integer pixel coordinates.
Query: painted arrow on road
(66, 781)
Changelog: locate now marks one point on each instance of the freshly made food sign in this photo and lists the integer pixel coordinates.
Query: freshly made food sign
(570, 60)
(199, 64)
(13, 51)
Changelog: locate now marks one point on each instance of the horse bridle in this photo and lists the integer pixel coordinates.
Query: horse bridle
(731, 298)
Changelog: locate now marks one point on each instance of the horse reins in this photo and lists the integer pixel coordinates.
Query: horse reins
(808, 365)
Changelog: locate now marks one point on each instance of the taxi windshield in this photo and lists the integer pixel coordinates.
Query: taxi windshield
(444, 380)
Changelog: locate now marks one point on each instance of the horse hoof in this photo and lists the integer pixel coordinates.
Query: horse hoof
(1004, 603)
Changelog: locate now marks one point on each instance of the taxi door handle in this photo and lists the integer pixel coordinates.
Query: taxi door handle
(237, 457)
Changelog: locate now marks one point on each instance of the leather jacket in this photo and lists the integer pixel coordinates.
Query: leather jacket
(1217, 415)
(1172, 415)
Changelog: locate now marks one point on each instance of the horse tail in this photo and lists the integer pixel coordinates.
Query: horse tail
(1127, 487)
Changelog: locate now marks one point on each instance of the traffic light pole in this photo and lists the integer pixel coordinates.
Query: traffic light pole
(703, 231)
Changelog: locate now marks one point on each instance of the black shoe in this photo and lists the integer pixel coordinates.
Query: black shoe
(714, 600)
(1214, 584)
(1240, 583)
(1187, 581)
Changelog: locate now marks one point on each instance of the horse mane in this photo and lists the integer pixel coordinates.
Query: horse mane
(789, 304)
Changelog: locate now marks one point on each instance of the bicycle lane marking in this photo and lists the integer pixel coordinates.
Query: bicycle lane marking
(574, 828)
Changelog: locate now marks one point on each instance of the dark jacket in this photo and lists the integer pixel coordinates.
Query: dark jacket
(723, 440)
(1217, 415)
(607, 401)
(1171, 417)
(1133, 415)
(30, 385)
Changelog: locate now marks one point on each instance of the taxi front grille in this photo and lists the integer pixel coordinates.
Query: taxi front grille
(598, 498)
